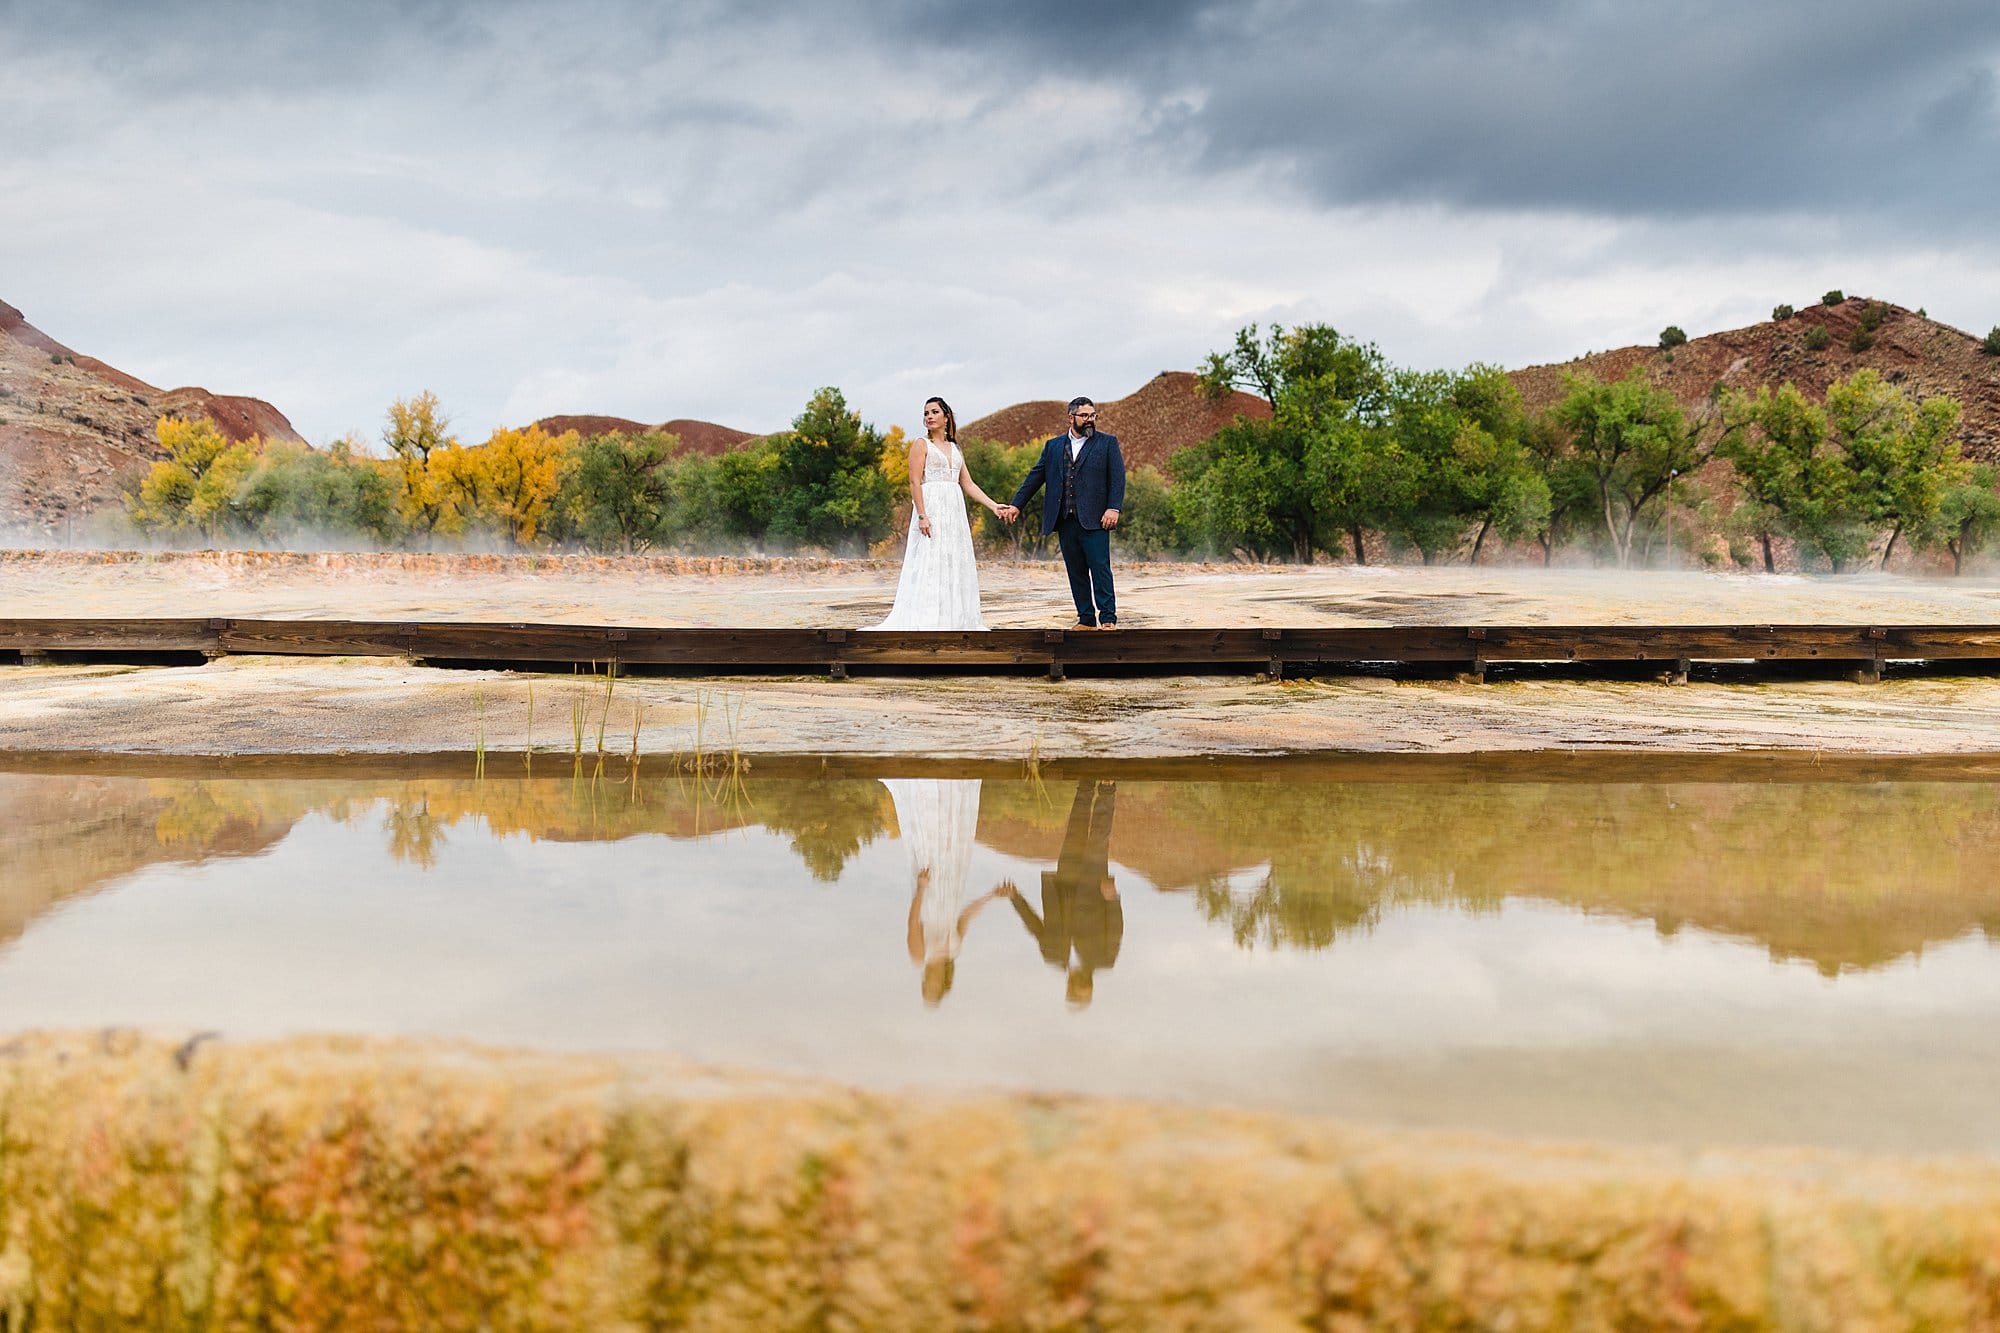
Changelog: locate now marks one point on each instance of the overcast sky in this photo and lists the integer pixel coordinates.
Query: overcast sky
(710, 209)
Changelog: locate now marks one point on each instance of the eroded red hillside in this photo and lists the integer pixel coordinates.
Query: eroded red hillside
(74, 431)
(1925, 357)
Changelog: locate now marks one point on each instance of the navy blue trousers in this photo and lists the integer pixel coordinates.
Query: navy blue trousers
(1086, 555)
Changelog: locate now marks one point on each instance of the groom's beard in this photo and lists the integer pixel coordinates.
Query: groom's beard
(1086, 430)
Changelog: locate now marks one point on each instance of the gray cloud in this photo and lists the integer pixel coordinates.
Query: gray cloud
(1620, 109)
(712, 208)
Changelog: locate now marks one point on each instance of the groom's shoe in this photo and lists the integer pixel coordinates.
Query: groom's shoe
(1080, 625)
(1107, 624)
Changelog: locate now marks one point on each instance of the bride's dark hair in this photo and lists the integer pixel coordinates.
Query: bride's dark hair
(950, 420)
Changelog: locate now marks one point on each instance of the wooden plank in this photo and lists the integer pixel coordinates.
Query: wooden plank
(1192, 648)
(158, 635)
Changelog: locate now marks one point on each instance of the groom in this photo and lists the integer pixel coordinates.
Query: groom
(1085, 475)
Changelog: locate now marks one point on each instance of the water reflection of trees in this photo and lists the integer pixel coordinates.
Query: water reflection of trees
(1843, 874)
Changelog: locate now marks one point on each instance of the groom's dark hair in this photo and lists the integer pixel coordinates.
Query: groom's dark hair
(1079, 401)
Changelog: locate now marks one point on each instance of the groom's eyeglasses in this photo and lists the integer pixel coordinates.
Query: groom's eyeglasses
(1083, 416)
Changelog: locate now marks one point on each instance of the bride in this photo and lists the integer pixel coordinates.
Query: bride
(939, 588)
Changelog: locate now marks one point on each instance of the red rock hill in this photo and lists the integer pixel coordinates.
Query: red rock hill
(73, 430)
(1168, 412)
(1925, 357)
(700, 437)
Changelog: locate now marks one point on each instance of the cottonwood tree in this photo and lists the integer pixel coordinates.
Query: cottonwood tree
(1625, 441)
(616, 492)
(419, 436)
(1293, 483)
(1967, 519)
(1906, 452)
(193, 489)
(1834, 476)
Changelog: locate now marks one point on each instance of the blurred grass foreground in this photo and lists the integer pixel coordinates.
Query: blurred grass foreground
(349, 1183)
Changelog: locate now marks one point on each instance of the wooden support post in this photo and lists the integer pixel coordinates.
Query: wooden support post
(30, 658)
(1276, 671)
(1474, 673)
(1055, 671)
(1868, 671)
(1678, 673)
(836, 670)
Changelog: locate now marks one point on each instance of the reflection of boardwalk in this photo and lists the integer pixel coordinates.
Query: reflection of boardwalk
(1082, 922)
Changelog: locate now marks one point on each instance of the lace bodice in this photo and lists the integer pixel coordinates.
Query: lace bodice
(941, 465)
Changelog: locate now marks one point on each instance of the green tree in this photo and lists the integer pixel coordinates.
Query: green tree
(1905, 453)
(294, 492)
(1787, 464)
(1967, 519)
(830, 490)
(998, 469)
(1456, 456)
(616, 492)
(1629, 441)
(1289, 484)
(1672, 336)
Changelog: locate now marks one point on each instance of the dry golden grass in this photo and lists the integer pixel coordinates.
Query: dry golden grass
(330, 1183)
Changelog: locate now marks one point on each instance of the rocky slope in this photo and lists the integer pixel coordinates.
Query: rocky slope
(74, 430)
(1168, 412)
(1925, 357)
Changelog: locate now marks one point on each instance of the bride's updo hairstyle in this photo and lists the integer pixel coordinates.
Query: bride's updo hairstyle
(950, 419)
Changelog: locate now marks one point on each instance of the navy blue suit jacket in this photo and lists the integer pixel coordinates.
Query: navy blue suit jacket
(1100, 480)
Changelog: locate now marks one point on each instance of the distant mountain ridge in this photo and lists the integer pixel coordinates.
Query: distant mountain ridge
(74, 431)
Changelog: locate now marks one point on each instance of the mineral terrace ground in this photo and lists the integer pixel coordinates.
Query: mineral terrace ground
(384, 705)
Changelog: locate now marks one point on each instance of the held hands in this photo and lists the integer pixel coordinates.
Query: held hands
(1006, 513)
(1110, 519)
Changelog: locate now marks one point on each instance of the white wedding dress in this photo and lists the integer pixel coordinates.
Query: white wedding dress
(939, 588)
(937, 820)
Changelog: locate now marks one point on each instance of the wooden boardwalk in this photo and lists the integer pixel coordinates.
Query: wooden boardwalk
(1858, 650)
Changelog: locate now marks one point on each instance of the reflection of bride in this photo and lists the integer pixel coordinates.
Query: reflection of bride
(938, 819)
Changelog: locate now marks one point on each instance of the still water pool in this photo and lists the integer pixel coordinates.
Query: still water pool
(1711, 960)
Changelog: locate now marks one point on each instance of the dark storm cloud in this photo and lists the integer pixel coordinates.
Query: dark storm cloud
(1706, 106)
(1623, 109)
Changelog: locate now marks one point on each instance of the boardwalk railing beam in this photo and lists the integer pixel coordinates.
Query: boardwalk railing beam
(1859, 649)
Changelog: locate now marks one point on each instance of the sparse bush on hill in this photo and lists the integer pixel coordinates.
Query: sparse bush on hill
(1672, 336)
(1863, 336)
(1817, 338)
(1782, 312)
(1834, 297)
(1991, 346)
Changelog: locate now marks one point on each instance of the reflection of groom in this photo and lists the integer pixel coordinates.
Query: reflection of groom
(1085, 475)
(1080, 908)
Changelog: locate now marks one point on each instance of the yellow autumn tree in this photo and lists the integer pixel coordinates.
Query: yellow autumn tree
(193, 489)
(419, 436)
(508, 485)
